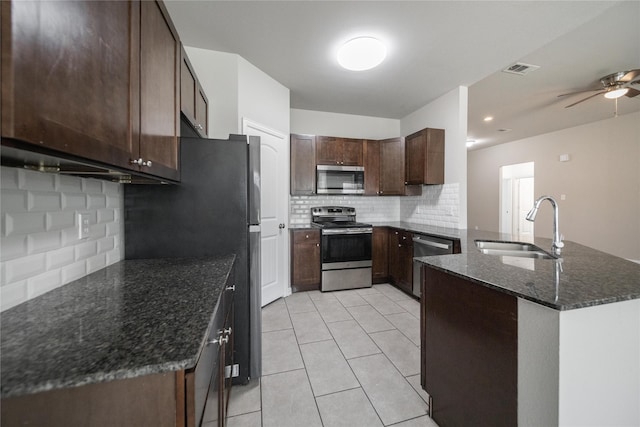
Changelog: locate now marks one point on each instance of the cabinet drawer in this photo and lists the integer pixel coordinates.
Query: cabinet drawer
(306, 236)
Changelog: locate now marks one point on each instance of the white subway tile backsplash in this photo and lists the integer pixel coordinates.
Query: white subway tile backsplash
(24, 223)
(40, 248)
(68, 184)
(91, 186)
(106, 215)
(96, 263)
(13, 294)
(13, 200)
(437, 206)
(36, 181)
(13, 247)
(60, 220)
(96, 201)
(23, 268)
(74, 271)
(86, 249)
(42, 283)
(9, 178)
(60, 257)
(43, 242)
(73, 201)
(43, 202)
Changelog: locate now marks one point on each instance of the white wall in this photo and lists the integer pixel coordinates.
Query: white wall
(344, 125)
(261, 99)
(449, 112)
(236, 89)
(218, 75)
(601, 183)
(40, 248)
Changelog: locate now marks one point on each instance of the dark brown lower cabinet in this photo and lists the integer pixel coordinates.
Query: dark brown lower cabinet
(305, 260)
(379, 252)
(469, 349)
(401, 259)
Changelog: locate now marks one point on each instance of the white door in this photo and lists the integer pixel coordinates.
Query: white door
(274, 199)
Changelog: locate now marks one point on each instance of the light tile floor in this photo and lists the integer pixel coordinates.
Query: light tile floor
(346, 358)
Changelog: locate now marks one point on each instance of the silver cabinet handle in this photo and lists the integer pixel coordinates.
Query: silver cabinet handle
(431, 243)
(231, 288)
(317, 244)
(227, 331)
(199, 127)
(141, 162)
(221, 340)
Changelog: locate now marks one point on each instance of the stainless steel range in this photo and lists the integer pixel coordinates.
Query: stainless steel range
(346, 248)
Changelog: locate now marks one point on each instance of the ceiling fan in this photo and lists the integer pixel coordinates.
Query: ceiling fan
(614, 86)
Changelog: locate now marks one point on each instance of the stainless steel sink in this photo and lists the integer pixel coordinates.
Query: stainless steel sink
(517, 249)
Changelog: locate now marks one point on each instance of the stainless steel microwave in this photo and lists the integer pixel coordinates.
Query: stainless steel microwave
(339, 179)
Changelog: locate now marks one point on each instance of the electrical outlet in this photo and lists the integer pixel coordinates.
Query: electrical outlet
(84, 225)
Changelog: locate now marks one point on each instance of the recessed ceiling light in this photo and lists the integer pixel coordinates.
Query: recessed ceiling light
(362, 53)
(488, 118)
(613, 94)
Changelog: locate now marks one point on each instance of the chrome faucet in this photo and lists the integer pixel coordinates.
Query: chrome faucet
(531, 216)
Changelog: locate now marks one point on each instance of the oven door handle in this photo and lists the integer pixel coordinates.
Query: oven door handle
(335, 231)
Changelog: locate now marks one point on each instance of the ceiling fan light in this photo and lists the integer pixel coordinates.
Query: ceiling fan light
(362, 53)
(617, 93)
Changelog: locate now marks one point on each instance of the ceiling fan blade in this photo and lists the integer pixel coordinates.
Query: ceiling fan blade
(632, 92)
(630, 76)
(580, 91)
(584, 99)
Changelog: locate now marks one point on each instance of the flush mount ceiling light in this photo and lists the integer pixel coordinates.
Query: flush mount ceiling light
(617, 93)
(488, 119)
(362, 53)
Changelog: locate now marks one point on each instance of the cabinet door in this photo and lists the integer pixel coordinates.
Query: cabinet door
(380, 263)
(434, 163)
(352, 152)
(415, 146)
(392, 167)
(68, 72)
(371, 167)
(405, 281)
(328, 150)
(394, 256)
(303, 165)
(305, 260)
(202, 112)
(159, 101)
(187, 88)
(424, 157)
(193, 101)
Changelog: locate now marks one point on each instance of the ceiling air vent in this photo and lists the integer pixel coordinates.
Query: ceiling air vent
(520, 68)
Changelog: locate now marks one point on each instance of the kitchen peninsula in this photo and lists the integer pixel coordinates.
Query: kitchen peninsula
(524, 341)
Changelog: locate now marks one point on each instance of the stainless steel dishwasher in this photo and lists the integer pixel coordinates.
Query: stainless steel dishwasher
(427, 246)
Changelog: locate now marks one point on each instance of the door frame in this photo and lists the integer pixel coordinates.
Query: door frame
(250, 124)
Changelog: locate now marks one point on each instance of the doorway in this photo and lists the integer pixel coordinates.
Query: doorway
(274, 167)
(516, 198)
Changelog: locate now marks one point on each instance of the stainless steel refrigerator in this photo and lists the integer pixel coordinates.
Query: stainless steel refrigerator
(215, 210)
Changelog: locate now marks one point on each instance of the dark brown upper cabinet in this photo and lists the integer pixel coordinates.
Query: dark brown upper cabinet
(93, 80)
(193, 100)
(371, 167)
(424, 157)
(303, 165)
(392, 179)
(336, 151)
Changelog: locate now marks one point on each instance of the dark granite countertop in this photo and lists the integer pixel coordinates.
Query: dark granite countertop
(133, 318)
(430, 230)
(585, 276)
